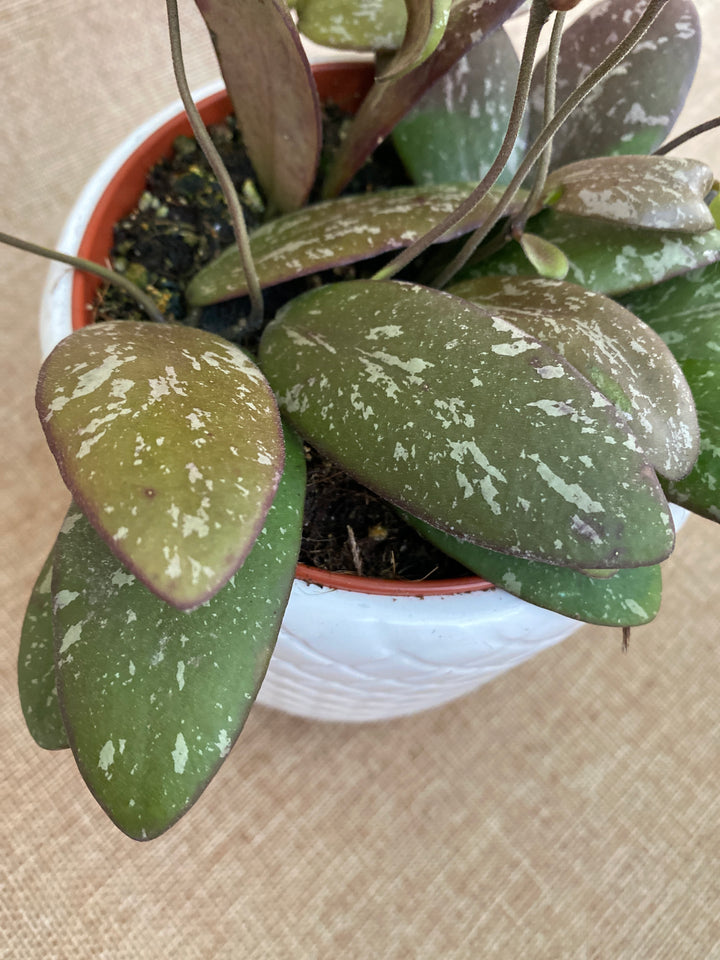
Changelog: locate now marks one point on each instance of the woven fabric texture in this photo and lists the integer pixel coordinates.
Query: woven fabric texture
(567, 810)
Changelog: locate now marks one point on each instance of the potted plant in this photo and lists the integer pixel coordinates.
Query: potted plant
(498, 388)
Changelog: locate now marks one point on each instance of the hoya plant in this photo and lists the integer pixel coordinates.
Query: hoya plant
(518, 347)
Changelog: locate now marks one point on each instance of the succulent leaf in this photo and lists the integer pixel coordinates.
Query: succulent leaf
(608, 258)
(353, 24)
(626, 599)
(154, 698)
(334, 233)
(426, 23)
(36, 666)
(388, 102)
(684, 311)
(268, 77)
(465, 421)
(700, 490)
(455, 130)
(626, 360)
(635, 107)
(547, 259)
(656, 193)
(169, 439)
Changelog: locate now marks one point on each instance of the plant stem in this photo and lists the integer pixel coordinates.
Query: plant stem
(633, 36)
(551, 68)
(688, 135)
(88, 266)
(539, 14)
(218, 167)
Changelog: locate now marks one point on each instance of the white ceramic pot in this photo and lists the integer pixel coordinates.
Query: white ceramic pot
(344, 654)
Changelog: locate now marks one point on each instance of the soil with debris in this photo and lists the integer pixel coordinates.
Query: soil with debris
(179, 225)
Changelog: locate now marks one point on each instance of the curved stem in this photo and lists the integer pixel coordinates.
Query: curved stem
(688, 135)
(551, 69)
(539, 14)
(633, 36)
(88, 266)
(218, 167)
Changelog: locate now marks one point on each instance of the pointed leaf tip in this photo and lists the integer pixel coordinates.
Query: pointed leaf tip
(169, 439)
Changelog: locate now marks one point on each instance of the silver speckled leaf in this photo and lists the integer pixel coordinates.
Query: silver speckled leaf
(153, 697)
(621, 355)
(455, 130)
(685, 312)
(465, 421)
(353, 24)
(334, 233)
(635, 107)
(656, 193)
(607, 257)
(169, 439)
(36, 667)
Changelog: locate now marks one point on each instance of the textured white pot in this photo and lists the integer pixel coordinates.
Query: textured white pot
(343, 654)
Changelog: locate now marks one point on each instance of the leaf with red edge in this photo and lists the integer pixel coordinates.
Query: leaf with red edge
(270, 83)
(169, 440)
(388, 102)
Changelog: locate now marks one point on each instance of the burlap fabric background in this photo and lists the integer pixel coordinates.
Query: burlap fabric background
(568, 810)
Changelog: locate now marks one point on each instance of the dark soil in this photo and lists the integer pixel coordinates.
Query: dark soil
(179, 225)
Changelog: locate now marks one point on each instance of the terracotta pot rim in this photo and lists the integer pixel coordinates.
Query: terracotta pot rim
(106, 213)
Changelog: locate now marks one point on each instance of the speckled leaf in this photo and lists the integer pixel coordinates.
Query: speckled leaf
(169, 439)
(353, 24)
(626, 360)
(154, 698)
(685, 312)
(454, 132)
(700, 491)
(268, 77)
(388, 102)
(628, 598)
(657, 193)
(36, 667)
(606, 257)
(334, 233)
(426, 23)
(634, 109)
(467, 422)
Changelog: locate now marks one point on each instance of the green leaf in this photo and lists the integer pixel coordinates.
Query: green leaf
(270, 83)
(36, 667)
(426, 23)
(154, 698)
(700, 491)
(335, 233)
(629, 598)
(388, 102)
(619, 354)
(455, 130)
(657, 193)
(684, 311)
(635, 107)
(546, 258)
(467, 422)
(353, 24)
(169, 440)
(606, 257)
